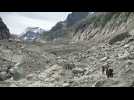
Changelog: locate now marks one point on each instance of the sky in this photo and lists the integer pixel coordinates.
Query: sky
(17, 22)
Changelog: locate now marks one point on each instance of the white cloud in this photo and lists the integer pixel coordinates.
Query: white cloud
(18, 21)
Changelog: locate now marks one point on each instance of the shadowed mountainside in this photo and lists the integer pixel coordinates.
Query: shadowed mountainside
(4, 31)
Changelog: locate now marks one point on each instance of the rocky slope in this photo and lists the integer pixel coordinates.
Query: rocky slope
(69, 65)
(98, 26)
(104, 25)
(61, 29)
(4, 31)
(74, 64)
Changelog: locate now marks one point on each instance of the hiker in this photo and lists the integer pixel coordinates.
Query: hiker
(107, 70)
(109, 73)
(69, 66)
(104, 68)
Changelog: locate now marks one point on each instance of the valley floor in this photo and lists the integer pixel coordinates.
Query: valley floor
(68, 64)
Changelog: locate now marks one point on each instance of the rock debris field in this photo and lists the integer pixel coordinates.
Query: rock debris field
(68, 64)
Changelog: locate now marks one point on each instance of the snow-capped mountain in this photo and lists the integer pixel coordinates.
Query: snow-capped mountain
(32, 33)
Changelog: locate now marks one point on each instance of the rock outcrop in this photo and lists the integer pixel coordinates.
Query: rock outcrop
(75, 17)
(4, 31)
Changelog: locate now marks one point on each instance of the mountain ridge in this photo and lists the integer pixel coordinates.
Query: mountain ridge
(97, 26)
(61, 29)
(4, 31)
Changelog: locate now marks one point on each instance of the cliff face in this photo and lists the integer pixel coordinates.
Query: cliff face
(4, 31)
(99, 26)
(75, 17)
(62, 29)
(103, 26)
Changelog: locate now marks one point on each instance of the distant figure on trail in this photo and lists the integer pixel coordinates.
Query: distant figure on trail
(104, 68)
(107, 71)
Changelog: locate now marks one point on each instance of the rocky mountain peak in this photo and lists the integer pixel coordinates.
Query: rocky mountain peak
(74, 17)
(4, 31)
(60, 30)
(32, 33)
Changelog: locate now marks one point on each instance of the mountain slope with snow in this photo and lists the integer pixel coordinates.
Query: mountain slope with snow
(32, 33)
